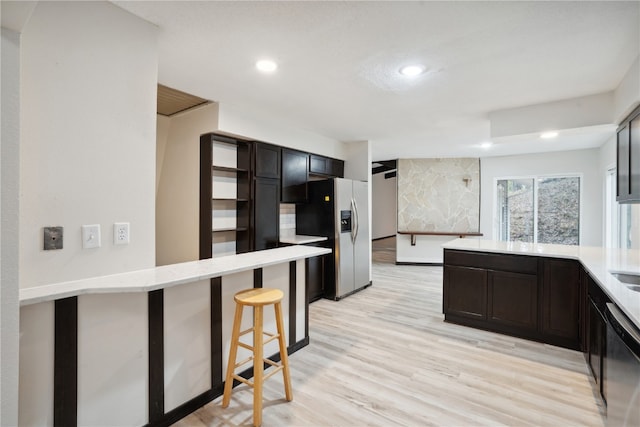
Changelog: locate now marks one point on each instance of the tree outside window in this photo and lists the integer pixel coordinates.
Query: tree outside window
(539, 210)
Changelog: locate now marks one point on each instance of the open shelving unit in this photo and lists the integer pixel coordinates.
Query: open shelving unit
(225, 196)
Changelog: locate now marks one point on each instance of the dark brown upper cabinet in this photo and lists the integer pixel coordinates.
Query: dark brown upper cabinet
(267, 160)
(628, 159)
(326, 166)
(295, 173)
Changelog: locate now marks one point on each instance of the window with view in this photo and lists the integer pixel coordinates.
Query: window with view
(539, 210)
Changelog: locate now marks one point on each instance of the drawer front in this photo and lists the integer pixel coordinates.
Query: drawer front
(501, 262)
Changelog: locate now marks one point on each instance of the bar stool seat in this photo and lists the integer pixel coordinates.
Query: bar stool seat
(257, 298)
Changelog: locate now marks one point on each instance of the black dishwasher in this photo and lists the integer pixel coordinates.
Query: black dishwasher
(622, 367)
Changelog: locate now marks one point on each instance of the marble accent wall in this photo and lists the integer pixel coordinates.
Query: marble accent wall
(440, 195)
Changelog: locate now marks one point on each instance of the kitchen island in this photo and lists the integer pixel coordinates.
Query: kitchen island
(148, 346)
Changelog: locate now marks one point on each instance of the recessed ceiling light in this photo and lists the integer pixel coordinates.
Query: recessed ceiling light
(266, 66)
(548, 135)
(412, 70)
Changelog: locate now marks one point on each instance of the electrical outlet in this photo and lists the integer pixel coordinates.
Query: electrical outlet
(121, 233)
(91, 236)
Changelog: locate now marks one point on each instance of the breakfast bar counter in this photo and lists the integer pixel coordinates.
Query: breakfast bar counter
(148, 347)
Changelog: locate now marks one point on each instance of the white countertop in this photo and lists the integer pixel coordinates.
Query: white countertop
(598, 261)
(169, 275)
(299, 239)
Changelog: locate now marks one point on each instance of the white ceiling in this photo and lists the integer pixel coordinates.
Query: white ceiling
(338, 65)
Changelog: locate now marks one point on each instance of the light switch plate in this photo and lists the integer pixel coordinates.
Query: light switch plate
(52, 238)
(91, 236)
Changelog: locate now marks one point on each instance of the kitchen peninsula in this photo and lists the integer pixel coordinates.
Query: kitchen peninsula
(579, 297)
(169, 361)
(597, 262)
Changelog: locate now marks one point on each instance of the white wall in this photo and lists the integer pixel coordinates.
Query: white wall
(585, 111)
(384, 206)
(9, 223)
(627, 95)
(358, 167)
(584, 162)
(178, 200)
(235, 120)
(88, 142)
(358, 161)
(87, 156)
(162, 134)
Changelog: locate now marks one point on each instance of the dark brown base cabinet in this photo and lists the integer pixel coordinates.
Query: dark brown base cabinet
(550, 300)
(525, 296)
(314, 277)
(464, 292)
(560, 310)
(595, 350)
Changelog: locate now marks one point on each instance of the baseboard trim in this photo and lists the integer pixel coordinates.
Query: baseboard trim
(382, 238)
(423, 264)
(199, 401)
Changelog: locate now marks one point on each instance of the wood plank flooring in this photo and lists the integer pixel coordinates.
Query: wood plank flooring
(384, 357)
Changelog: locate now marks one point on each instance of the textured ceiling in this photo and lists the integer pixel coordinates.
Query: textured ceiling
(338, 64)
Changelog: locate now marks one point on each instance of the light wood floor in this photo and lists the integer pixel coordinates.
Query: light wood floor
(384, 357)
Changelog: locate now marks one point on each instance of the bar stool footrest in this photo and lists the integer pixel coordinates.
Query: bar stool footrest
(243, 380)
(273, 372)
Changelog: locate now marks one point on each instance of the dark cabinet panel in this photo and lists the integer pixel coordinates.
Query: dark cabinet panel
(502, 262)
(583, 316)
(315, 278)
(267, 160)
(513, 299)
(634, 159)
(320, 165)
(622, 178)
(596, 328)
(337, 168)
(465, 292)
(628, 159)
(294, 176)
(596, 348)
(266, 215)
(560, 299)
(317, 164)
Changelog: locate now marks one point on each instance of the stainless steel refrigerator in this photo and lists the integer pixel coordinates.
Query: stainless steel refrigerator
(338, 209)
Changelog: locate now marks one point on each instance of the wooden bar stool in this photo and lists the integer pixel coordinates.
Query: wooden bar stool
(257, 298)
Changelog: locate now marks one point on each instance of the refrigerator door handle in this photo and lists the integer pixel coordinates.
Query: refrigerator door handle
(355, 219)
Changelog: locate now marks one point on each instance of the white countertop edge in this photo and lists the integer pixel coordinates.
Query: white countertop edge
(300, 239)
(599, 263)
(166, 276)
